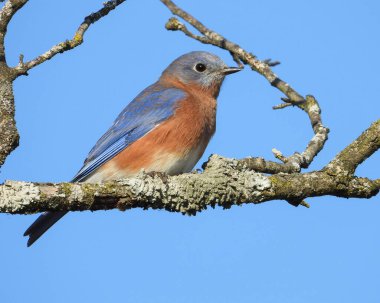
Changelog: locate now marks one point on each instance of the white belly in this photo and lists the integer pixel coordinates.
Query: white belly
(172, 164)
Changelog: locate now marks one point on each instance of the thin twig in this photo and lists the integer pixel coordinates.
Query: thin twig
(9, 137)
(282, 105)
(308, 104)
(77, 40)
(247, 58)
(271, 63)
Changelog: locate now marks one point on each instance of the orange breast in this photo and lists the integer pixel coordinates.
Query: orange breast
(174, 146)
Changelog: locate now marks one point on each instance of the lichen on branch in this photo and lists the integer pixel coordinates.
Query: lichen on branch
(223, 183)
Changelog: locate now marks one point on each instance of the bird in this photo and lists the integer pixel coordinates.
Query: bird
(165, 129)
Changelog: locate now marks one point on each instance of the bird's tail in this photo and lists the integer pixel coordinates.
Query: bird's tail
(42, 224)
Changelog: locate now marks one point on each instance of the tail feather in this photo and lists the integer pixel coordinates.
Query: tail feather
(42, 224)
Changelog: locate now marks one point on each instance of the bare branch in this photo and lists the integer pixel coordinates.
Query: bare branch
(264, 166)
(9, 9)
(357, 152)
(282, 105)
(77, 40)
(219, 41)
(221, 184)
(309, 104)
(224, 182)
(9, 137)
(6, 13)
(173, 24)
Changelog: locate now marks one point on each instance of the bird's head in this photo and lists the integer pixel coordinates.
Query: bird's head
(199, 69)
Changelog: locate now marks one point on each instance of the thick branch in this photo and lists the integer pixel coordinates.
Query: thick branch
(309, 104)
(357, 152)
(77, 40)
(9, 137)
(221, 184)
(224, 182)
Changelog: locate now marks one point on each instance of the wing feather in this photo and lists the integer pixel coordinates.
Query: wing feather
(152, 106)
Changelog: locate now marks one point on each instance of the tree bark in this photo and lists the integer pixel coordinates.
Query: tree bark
(224, 182)
(9, 137)
(188, 193)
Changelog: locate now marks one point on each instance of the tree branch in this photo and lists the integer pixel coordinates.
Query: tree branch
(224, 182)
(308, 104)
(357, 152)
(6, 13)
(220, 184)
(9, 137)
(22, 68)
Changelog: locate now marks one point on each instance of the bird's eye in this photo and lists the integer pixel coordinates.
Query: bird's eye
(200, 67)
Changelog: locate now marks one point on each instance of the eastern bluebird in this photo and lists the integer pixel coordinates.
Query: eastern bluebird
(166, 128)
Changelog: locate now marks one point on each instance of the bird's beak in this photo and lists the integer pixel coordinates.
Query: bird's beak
(231, 70)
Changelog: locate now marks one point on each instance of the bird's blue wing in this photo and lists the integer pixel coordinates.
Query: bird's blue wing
(152, 106)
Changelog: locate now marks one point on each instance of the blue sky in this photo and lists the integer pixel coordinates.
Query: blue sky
(254, 253)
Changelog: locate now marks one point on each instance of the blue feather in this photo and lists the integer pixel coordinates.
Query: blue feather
(152, 106)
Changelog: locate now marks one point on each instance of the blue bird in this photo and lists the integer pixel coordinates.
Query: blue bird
(166, 128)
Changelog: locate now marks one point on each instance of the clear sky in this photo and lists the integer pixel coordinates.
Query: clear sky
(265, 253)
